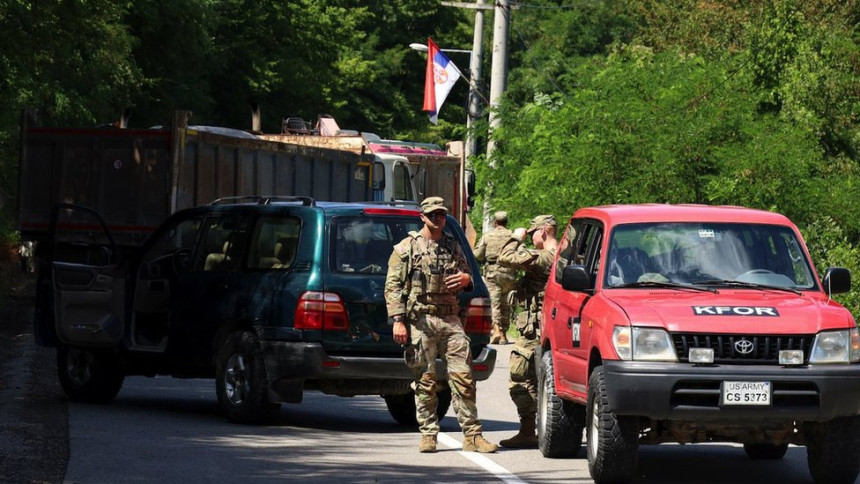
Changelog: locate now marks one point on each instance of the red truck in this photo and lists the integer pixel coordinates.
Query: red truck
(691, 324)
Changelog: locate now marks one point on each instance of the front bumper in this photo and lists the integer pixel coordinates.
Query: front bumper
(675, 391)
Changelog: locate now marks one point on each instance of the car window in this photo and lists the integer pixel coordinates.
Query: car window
(363, 245)
(565, 248)
(274, 243)
(222, 242)
(590, 251)
(402, 182)
(171, 251)
(696, 252)
(180, 236)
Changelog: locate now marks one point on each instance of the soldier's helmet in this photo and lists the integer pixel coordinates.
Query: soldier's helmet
(541, 221)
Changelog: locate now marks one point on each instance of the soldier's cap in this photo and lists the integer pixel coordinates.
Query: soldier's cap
(541, 221)
(431, 204)
(501, 216)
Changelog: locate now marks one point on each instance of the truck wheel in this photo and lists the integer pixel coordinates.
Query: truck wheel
(402, 407)
(765, 451)
(559, 422)
(612, 440)
(833, 450)
(241, 381)
(89, 376)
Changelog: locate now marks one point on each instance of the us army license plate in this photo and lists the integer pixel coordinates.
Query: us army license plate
(745, 393)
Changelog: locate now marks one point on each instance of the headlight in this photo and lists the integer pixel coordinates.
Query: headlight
(841, 346)
(646, 344)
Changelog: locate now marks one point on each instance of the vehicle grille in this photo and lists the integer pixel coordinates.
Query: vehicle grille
(765, 348)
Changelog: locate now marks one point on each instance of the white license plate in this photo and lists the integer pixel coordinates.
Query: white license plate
(746, 393)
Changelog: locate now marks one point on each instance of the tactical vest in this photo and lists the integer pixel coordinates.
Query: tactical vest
(494, 240)
(530, 292)
(429, 263)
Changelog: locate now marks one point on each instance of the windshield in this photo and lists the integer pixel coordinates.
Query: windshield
(364, 244)
(707, 253)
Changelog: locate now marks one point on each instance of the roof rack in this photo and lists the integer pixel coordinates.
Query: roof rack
(393, 203)
(264, 200)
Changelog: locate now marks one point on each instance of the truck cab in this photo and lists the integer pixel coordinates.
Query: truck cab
(393, 179)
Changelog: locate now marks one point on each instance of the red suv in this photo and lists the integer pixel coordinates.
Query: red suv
(694, 324)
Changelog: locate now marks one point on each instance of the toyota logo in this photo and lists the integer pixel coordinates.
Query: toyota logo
(744, 346)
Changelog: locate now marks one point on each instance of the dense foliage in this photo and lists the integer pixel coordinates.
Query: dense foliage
(682, 101)
(611, 101)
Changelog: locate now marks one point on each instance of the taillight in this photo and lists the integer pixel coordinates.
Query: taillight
(321, 311)
(478, 316)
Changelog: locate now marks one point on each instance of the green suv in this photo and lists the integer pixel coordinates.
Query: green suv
(270, 296)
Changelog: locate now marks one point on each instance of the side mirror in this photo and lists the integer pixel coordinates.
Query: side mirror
(470, 189)
(836, 280)
(378, 176)
(470, 183)
(575, 278)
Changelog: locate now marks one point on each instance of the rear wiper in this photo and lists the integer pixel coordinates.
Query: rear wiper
(751, 285)
(666, 285)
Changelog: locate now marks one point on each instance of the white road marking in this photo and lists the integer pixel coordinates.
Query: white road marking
(481, 460)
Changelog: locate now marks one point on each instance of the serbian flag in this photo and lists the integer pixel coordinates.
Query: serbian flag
(440, 76)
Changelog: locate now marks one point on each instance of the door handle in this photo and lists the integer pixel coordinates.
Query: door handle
(553, 312)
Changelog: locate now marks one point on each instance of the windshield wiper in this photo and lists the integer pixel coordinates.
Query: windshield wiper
(750, 285)
(665, 285)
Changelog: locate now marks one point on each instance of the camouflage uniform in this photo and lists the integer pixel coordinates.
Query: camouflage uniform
(500, 280)
(529, 293)
(415, 287)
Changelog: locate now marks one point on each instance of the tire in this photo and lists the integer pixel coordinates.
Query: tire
(833, 450)
(402, 407)
(89, 376)
(559, 422)
(612, 441)
(765, 451)
(241, 381)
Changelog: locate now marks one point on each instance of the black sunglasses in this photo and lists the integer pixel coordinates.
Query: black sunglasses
(435, 215)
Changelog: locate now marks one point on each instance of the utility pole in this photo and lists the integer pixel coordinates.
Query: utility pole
(474, 107)
(498, 75)
(498, 81)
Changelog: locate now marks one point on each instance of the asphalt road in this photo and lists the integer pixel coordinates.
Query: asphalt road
(167, 430)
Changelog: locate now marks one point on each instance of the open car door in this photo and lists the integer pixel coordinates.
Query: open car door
(87, 279)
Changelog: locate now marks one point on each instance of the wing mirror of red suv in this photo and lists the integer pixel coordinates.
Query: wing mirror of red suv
(576, 278)
(836, 280)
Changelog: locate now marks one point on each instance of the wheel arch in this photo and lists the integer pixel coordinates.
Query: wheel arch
(225, 329)
(595, 359)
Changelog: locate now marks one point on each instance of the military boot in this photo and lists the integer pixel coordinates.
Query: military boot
(525, 438)
(496, 336)
(477, 443)
(428, 444)
(503, 337)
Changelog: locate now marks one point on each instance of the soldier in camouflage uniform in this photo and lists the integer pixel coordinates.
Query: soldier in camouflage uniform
(426, 270)
(500, 280)
(536, 263)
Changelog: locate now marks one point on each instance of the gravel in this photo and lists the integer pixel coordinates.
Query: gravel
(34, 418)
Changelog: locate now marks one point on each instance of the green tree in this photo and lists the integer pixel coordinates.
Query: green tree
(72, 61)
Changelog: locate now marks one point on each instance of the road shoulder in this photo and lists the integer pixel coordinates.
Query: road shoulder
(34, 429)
